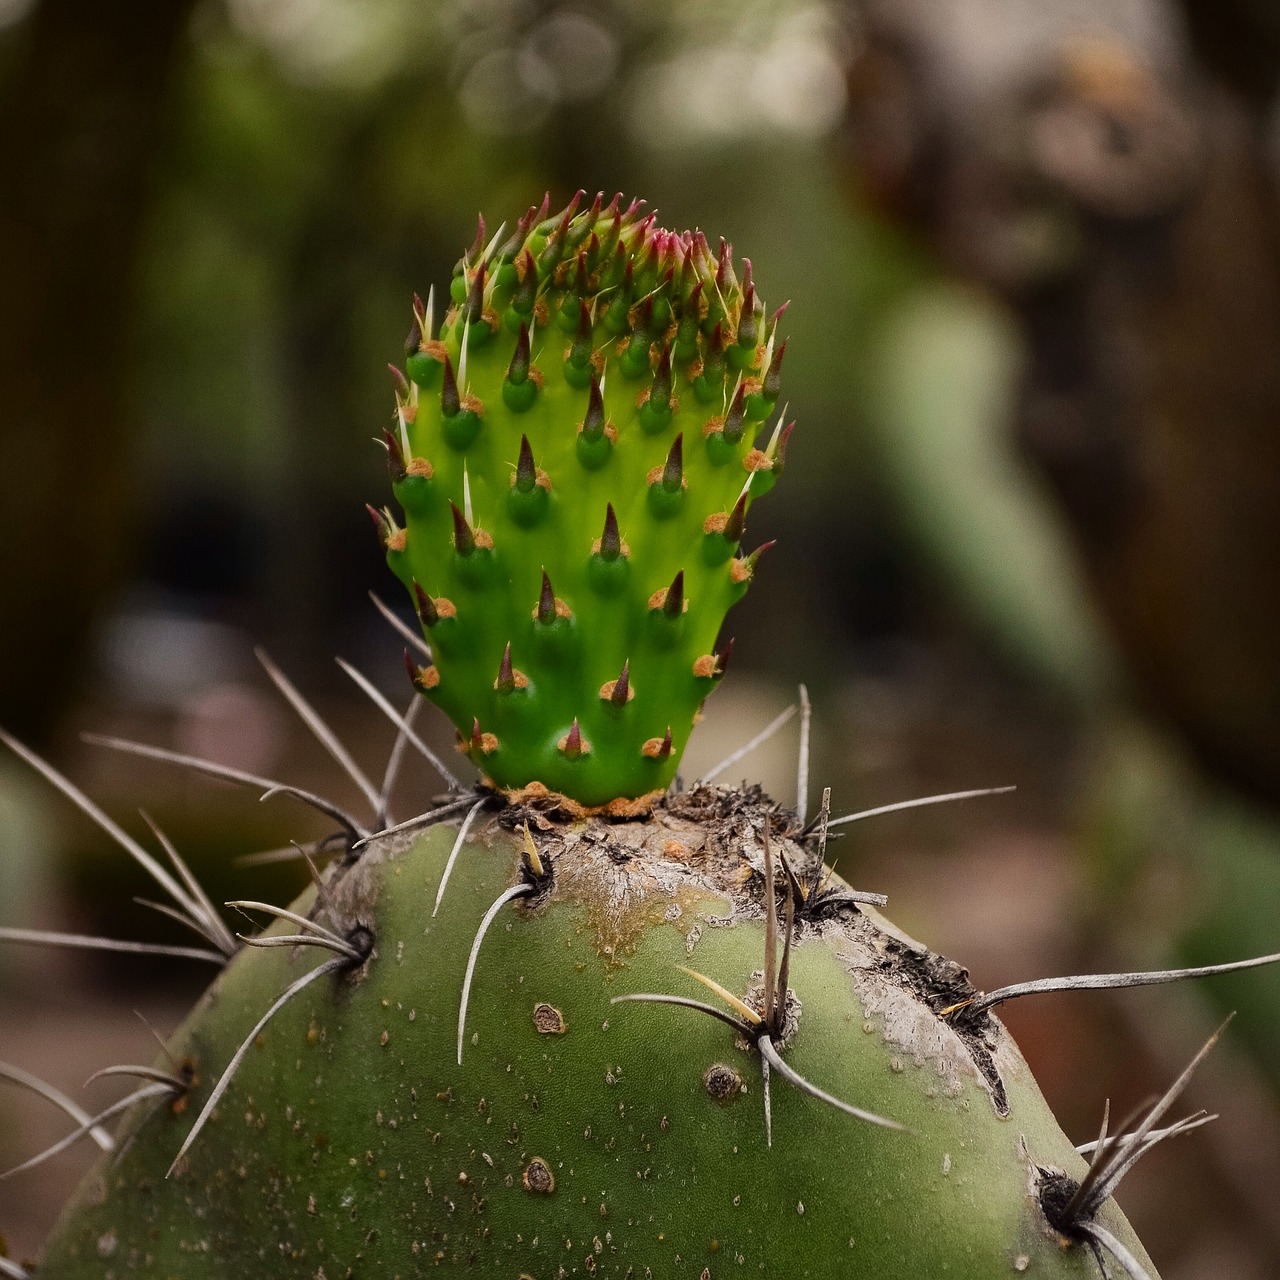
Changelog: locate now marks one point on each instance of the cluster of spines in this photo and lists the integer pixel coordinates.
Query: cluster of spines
(635, 372)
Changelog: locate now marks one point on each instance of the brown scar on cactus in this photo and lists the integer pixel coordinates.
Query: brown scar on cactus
(770, 1026)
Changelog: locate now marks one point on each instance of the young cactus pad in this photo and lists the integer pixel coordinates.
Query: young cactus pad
(518, 1041)
(575, 454)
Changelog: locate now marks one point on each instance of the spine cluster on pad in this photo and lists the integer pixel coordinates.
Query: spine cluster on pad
(576, 450)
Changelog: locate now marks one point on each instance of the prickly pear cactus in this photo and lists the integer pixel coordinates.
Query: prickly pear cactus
(575, 455)
(572, 1021)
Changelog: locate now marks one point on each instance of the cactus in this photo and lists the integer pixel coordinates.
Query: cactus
(575, 456)
(574, 1020)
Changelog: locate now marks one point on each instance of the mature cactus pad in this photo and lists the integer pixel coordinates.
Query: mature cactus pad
(580, 1137)
(575, 457)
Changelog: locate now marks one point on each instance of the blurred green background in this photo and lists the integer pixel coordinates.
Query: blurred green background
(1027, 533)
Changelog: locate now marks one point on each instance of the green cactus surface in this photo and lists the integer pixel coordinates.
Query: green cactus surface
(567, 1134)
(599, 1026)
(575, 453)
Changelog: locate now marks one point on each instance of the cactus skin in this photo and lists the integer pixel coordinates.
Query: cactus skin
(353, 1144)
(574, 456)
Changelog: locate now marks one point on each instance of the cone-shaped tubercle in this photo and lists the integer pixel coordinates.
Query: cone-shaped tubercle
(464, 540)
(708, 386)
(546, 601)
(736, 525)
(518, 369)
(521, 385)
(526, 470)
(610, 539)
(686, 344)
(667, 483)
(609, 568)
(506, 681)
(379, 522)
(673, 606)
(595, 435)
(450, 396)
(673, 468)
(722, 658)
(635, 359)
(593, 423)
(655, 412)
(773, 375)
(423, 679)
(573, 744)
(578, 369)
(526, 290)
(530, 490)
(621, 690)
(395, 457)
(473, 308)
(742, 570)
(425, 606)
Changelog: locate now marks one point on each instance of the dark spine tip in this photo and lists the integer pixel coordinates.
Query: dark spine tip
(464, 541)
(425, 606)
(473, 308)
(713, 362)
(673, 468)
(644, 317)
(506, 681)
(660, 395)
(780, 459)
(573, 740)
(722, 658)
(477, 739)
(733, 423)
(450, 399)
(477, 245)
(673, 605)
(379, 522)
(411, 667)
(526, 469)
(593, 423)
(748, 323)
(518, 369)
(724, 266)
(665, 750)
(736, 524)
(395, 457)
(546, 601)
(580, 351)
(526, 292)
(622, 686)
(773, 375)
(399, 380)
(610, 540)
